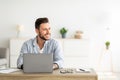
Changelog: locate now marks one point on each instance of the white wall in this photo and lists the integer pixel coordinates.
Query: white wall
(90, 16)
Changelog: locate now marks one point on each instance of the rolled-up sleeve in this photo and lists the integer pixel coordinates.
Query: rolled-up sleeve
(20, 58)
(58, 55)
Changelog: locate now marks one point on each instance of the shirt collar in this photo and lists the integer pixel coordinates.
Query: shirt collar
(35, 41)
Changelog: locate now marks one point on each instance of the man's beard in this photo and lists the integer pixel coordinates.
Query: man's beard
(42, 37)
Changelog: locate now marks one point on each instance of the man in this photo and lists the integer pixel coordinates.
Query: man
(42, 43)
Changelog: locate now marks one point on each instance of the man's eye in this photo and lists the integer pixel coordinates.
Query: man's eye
(44, 29)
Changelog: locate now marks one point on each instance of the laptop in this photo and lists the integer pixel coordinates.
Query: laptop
(37, 63)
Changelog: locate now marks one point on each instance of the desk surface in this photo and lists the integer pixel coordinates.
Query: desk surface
(56, 75)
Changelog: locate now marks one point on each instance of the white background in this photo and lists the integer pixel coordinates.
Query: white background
(90, 16)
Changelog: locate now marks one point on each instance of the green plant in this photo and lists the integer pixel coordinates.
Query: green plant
(63, 30)
(107, 43)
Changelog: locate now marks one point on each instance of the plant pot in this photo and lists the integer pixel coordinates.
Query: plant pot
(63, 35)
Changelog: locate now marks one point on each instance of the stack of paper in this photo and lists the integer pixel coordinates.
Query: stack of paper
(8, 70)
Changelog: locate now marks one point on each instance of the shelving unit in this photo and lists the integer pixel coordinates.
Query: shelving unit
(76, 51)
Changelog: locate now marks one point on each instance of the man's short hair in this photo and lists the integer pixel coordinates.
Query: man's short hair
(39, 21)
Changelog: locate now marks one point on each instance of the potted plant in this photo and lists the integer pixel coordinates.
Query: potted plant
(107, 43)
(63, 32)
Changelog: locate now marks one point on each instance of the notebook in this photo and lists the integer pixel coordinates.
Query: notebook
(36, 63)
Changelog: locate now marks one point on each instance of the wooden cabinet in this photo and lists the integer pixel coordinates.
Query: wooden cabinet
(76, 51)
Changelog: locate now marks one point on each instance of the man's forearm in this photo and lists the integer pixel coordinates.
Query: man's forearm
(21, 67)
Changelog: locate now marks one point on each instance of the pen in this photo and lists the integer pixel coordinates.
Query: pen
(82, 69)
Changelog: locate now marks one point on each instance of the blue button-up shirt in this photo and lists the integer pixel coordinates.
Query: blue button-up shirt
(50, 46)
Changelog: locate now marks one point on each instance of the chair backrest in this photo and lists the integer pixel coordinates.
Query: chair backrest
(4, 55)
(3, 52)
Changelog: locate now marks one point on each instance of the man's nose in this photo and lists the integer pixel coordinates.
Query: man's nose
(48, 31)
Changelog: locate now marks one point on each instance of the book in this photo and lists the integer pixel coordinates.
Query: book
(8, 70)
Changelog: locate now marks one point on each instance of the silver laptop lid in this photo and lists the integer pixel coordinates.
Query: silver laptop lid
(34, 63)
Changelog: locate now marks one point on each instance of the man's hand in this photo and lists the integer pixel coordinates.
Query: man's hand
(55, 66)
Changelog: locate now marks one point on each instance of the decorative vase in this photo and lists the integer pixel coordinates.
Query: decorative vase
(78, 34)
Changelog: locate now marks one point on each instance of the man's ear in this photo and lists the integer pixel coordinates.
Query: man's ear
(37, 31)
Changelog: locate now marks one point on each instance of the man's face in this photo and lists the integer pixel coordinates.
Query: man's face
(44, 31)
